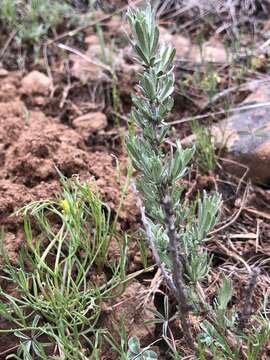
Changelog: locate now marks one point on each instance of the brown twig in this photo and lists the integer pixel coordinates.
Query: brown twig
(84, 57)
(7, 43)
(5, 352)
(238, 164)
(221, 112)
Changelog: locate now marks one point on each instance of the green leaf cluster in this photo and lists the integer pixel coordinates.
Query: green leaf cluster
(135, 351)
(162, 167)
(34, 19)
(223, 335)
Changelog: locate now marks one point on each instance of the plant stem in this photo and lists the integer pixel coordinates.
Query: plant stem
(177, 272)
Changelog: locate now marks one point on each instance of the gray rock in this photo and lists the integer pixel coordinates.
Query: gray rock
(245, 136)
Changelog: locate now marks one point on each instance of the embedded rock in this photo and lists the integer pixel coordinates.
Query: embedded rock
(83, 70)
(245, 136)
(36, 83)
(88, 67)
(211, 51)
(89, 123)
(3, 72)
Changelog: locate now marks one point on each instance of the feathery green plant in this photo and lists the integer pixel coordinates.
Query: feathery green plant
(58, 296)
(175, 231)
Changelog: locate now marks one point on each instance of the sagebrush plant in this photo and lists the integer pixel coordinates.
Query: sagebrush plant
(59, 293)
(175, 229)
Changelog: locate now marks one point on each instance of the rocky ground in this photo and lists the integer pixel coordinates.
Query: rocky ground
(72, 115)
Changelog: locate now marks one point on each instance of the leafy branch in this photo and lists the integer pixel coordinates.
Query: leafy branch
(175, 232)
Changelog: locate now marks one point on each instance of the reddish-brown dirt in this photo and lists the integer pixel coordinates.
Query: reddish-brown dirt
(134, 306)
(32, 146)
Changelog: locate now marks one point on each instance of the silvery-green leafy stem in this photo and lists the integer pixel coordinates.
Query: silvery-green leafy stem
(176, 230)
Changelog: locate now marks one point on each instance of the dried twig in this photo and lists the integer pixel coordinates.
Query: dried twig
(227, 111)
(83, 56)
(234, 217)
(73, 33)
(7, 43)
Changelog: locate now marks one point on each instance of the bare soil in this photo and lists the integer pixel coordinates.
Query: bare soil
(33, 145)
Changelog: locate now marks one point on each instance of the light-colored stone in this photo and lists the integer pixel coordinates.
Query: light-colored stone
(212, 50)
(85, 71)
(91, 40)
(245, 136)
(36, 83)
(3, 72)
(89, 123)
(89, 67)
